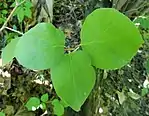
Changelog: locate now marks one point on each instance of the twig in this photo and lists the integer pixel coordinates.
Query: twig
(14, 30)
(11, 14)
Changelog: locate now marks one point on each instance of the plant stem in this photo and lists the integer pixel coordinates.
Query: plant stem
(73, 49)
(14, 30)
(11, 14)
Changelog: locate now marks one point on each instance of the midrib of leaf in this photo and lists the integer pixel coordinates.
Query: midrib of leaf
(92, 42)
(73, 77)
(55, 46)
(111, 23)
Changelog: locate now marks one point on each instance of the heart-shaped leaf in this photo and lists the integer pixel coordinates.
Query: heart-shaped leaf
(73, 79)
(41, 47)
(110, 38)
(8, 51)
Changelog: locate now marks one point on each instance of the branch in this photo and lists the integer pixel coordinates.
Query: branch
(14, 30)
(11, 14)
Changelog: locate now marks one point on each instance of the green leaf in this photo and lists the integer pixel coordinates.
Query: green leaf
(13, 4)
(2, 114)
(5, 5)
(28, 4)
(44, 97)
(73, 79)
(23, 10)
(58, 107)
(28, 13)
(142, 21)
(43, 106)
(20, 14)
(8, 51)
(27, 9)
(147, 65)
(41, 47)
(32, 103)
(4, 11)
(110, 38)
(133, 95)
(144, 91)
(121, 97)
(2, 20)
